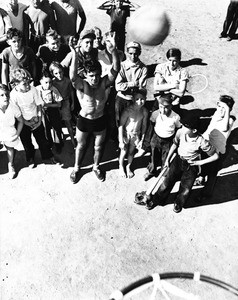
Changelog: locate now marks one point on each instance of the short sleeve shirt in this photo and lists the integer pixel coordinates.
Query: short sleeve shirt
(51, 95)
(48, 56)
(165, 126)
(24, 62)
(7, 123)
(190, 149)
(168, 76)
(27, 102)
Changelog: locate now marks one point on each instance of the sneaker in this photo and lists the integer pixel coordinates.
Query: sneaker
(74, 176)
(31, 163)
(229, 39)
(11, 172)
(99, 174)
(148, 175)
(177, 208)
(140, 198)
(222, 35)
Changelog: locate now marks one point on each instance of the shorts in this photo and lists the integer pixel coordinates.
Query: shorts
(94, 125)
(131, 138)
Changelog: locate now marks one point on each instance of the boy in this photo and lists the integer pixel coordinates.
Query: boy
(52, 50)
(92, 93)
(217, 133)
(9, 134)
(26, 98)
(132, 75)
(52, 103)
(184, 167)
(165, 123)
(132, 131)
(119, 11)
(17, 56)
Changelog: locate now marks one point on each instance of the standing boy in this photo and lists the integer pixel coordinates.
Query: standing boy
(92, 93)
(184, 167)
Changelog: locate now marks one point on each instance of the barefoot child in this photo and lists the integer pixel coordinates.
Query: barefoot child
(52, 103)
(64, 86)
(131, 131)
(9, 134)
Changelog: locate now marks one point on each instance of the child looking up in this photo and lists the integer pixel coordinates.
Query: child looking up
(131, 131)
(165, 123)
(25, 97)
(9, 134)
(184, 167)
(52, 102)
(64, 86)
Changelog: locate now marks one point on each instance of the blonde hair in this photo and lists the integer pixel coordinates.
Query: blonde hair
(19, 75)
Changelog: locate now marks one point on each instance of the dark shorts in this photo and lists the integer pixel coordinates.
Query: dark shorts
(88, 125)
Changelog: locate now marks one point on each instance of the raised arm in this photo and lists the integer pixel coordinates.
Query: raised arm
(110, 40)
(82, 16)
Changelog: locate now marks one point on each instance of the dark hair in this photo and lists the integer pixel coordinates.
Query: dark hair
(4, 87)
(141, 91)
(12, 32)
(52, 33)
(228, 100)
(55, 65)
(174, 52)
(92, 65)
(45, 73)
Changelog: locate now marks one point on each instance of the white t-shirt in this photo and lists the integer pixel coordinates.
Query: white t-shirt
(165, 126)
(8, 131)
(27, 102)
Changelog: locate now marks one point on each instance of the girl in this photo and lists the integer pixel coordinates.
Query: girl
(9, 134)
(171, 78)
(64, 86)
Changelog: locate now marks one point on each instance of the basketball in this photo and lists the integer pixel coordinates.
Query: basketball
(149, 25)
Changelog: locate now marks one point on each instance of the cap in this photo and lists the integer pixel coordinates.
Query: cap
(190, 121)
(87, 34)
(133, 45)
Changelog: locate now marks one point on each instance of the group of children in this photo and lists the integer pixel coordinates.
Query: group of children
(89, 75)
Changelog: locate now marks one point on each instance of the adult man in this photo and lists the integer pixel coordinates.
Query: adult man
(133, 74)
(92, 93)
(231, 22)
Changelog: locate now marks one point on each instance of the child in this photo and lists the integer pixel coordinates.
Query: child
(119, 11)
(26, 97)
(9, 134)
(64, 86)
(52, 102)
(131, 131)
(17, 56)
(52, 50)
(184, 167)
(217, 133)
(165, 123)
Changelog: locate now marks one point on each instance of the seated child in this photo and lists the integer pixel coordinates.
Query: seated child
(165, 123)
(217, 133)
(25, 97)
(184, 167)
(64, 86)
(52, 102)
(9, 134)
(132, 130)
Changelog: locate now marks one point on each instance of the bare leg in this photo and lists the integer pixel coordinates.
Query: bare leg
(131, 151)
(98, 146)
(121, 163)
(71, 132)
(11, 155)
(80, 148)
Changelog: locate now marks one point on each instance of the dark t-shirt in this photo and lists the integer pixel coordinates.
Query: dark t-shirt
(48, 56)
(118, 18)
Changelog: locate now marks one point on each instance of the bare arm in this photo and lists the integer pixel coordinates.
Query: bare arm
(82, 16)
(204, 161)
(144, 125)
(115, 58)
(123, 121)
(19, 125)
(5, 73)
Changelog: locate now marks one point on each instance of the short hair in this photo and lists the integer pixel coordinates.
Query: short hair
(174, 52)
(141, 91)
(4, 88)
(53, 34)
(45, 73)
(92, 66)
(228, 100)
(95, 29)
(55, 65)
(20, 74)
(12, 32)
